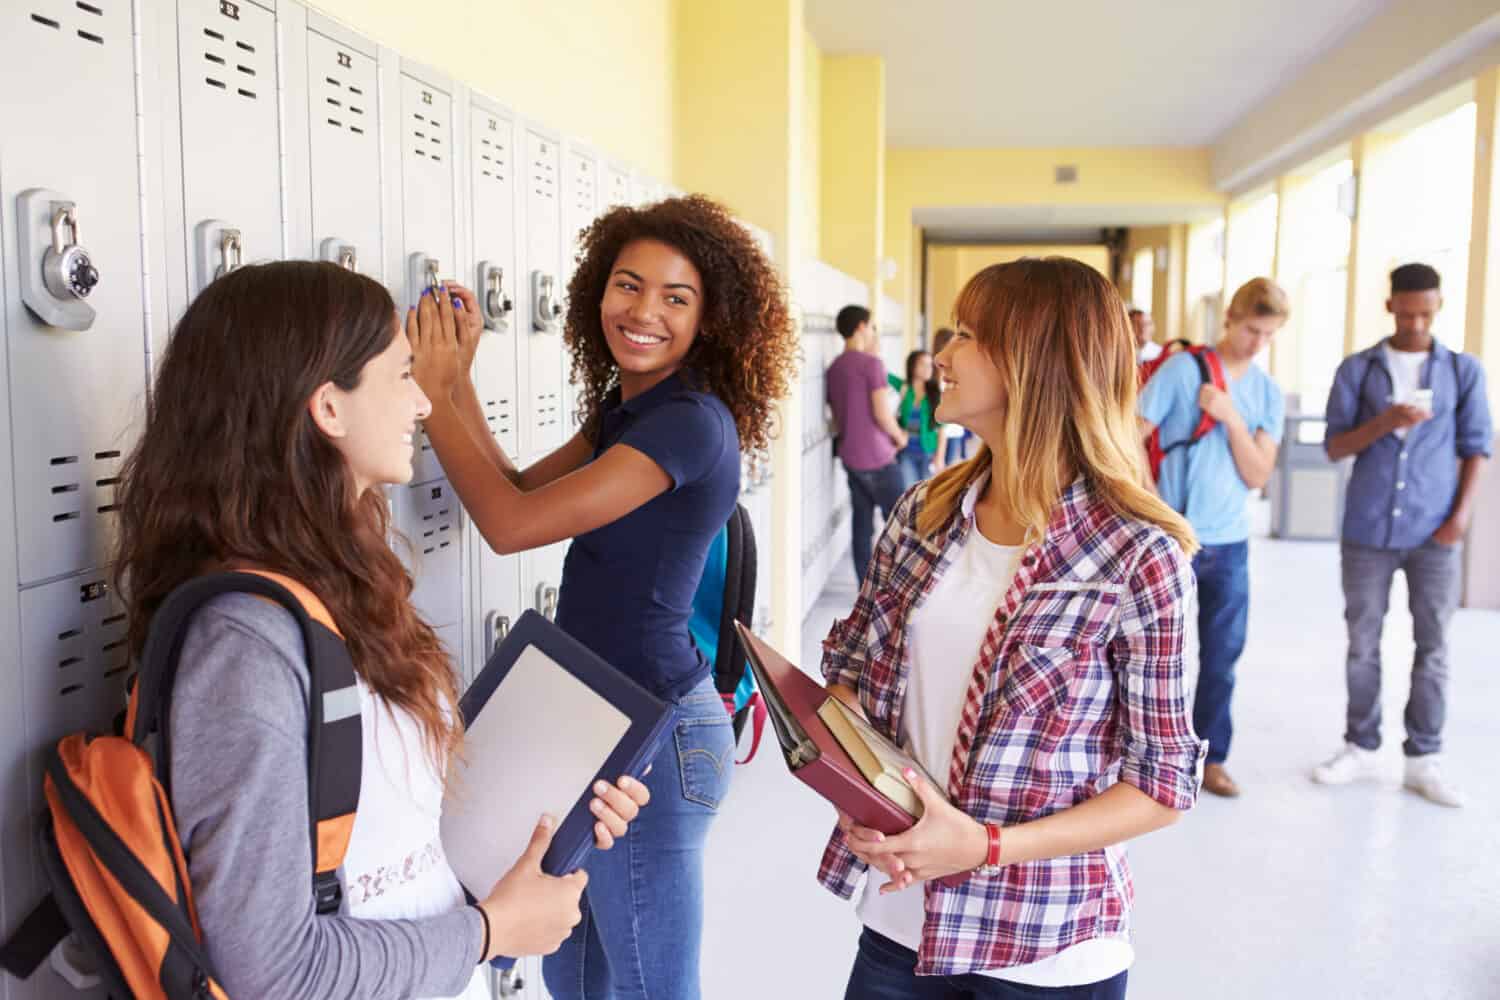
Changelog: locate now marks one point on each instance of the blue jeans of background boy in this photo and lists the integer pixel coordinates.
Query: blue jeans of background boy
(1432, 588)
(642, 926)
(869, 489)
(1223, 573)
(884, 970)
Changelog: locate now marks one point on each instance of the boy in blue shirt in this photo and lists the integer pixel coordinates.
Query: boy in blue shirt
(1210, 482)
(1416, 417)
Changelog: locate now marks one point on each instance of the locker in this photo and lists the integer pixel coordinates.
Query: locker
(642, 189)
(616, 186)
(430, 517)
(333, 127)
(542, 426)
(226, 109)
(77, 379)
(582, 207)
(428, 244)
(492, 183)
(541, 576)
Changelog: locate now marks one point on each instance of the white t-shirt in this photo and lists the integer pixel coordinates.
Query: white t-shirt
(1150, 352)
(944, 637)
(1406, 376)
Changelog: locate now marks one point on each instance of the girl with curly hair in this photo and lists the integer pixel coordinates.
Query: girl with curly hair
(682, 342)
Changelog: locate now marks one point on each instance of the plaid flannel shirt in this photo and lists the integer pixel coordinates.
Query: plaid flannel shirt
(1078, 684)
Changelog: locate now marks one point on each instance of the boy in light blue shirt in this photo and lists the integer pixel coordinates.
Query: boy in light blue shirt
(1210, 481)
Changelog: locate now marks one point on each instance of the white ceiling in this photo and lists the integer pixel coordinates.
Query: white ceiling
(985, 73)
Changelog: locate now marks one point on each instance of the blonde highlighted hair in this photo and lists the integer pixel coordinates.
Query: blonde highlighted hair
(1056, 331)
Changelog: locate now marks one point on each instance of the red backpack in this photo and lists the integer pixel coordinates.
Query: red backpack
(1210, 371)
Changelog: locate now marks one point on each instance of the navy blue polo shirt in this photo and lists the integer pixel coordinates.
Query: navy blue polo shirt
(627, 588)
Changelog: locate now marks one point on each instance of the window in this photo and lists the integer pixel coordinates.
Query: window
(1143, 279)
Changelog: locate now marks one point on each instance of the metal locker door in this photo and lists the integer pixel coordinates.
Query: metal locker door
(640, 189)
(616, 187)
(492, 171)
(428, 210)
(541, 578)
(344, 139)
(231, 143)
(431, 518)
(579, 212)
(542, 423)
(74, 317)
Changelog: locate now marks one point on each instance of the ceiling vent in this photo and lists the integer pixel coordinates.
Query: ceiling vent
(1067, 174)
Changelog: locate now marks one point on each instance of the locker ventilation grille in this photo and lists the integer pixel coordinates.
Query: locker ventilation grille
(218, 52)
(56, 25)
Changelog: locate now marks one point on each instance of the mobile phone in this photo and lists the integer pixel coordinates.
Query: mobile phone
(1422, 399)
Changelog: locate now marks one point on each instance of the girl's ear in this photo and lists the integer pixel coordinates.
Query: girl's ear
(325, 406)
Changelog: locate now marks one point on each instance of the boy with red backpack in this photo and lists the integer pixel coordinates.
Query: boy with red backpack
(1215, 421)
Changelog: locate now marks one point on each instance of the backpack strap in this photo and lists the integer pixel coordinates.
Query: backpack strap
(1210, 372)
(334, 733)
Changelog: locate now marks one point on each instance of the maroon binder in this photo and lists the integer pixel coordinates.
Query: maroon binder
(812, 754)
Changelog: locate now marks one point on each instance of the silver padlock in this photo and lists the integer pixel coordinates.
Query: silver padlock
(495, 306)
(546, 310)
(67, 269)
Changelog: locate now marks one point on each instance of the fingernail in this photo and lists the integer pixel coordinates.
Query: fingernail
(600, 788)
(547, 821)
(910, 774)
(597, 806)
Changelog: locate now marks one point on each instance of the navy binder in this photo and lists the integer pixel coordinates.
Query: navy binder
(553, 717)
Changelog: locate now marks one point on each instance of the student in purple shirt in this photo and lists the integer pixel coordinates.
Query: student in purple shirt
(864, 416)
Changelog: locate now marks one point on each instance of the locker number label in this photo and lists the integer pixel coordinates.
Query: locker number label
(229, 10)
(345, 61)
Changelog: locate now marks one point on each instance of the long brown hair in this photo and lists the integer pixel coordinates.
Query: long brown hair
(746, 349)
(1056, 330)
(232, 471)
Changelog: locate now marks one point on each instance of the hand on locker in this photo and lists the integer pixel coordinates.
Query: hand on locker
(443, 339)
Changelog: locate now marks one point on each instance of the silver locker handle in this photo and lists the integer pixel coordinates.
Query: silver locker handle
(423, 274)
(546, 310)
(546, 601)
(336, 251)
(495, 305)
(510, 983)
(231, 252)
(496, 628)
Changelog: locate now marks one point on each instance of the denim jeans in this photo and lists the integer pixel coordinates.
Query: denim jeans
(869, 489)
(1432, 586)
(884, 970)
(1223, 573)
(642, 924)
(915, 466)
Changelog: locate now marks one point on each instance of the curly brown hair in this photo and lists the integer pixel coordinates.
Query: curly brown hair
(746, 348)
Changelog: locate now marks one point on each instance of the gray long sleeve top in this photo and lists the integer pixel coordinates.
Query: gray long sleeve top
(239, 792)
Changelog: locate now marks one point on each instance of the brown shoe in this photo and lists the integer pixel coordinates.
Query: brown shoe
(1218, 781)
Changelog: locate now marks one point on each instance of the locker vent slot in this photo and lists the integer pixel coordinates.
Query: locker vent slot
(71, 633)
(355, 90)
(335, 103)
(335, 123)
(89, 8)
(245, 45)
(332, 81)
(358, 111)
(109, 508)
(112, 481)
(117, 670)
(87, 36)
(355, 128)
(39, 19)
(69, 662)
(114, 619)
(211, 33)
(102, 455)
(69, 488)
(247, 93)
(59, 518)
(110, 647)
(65, 460)
(216, 60)
(244, 69)
(70, 689)
(216, 83)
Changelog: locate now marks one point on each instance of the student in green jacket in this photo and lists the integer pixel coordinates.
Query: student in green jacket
(920, 394)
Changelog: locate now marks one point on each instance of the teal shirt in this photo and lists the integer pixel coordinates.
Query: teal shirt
(929, 433)
(1201, 480)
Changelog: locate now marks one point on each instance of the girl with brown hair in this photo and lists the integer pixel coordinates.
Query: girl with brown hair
(682, 343)
(283, 404)
(1020, 634)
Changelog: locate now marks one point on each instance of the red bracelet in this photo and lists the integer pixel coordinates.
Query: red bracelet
(992, 856)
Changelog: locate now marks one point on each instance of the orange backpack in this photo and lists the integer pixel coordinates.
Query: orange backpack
(108, 840)
(1210, 372)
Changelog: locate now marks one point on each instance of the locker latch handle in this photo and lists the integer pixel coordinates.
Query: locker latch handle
(497, 627)
(496, 306)
(546, 308)
(546, 601)
(231, 252)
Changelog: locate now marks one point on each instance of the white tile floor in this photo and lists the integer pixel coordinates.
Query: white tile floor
(1291, 891)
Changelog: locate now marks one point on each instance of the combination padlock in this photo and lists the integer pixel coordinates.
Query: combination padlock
(67, 269)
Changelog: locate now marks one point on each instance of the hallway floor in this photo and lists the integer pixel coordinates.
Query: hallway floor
(1293, 890)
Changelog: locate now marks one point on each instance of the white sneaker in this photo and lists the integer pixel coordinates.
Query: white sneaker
(1353, 763)
(1424, 776)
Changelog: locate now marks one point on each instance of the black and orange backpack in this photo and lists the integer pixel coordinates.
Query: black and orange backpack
(108, 840)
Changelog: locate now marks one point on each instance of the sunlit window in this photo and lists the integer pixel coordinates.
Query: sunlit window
(1314, 269)
(1205, 280)
(1143, 279)
(1250, 242)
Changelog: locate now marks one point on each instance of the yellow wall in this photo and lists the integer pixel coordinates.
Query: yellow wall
(853, 167)
(812, 142)
(596, 70)
(1176, 180)
(949, 267)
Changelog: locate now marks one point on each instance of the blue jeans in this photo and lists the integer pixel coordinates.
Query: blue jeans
(916, 465)
(1223, 573)
(884, 970)
(869, 489)
(642, 924)
(1432, 589)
